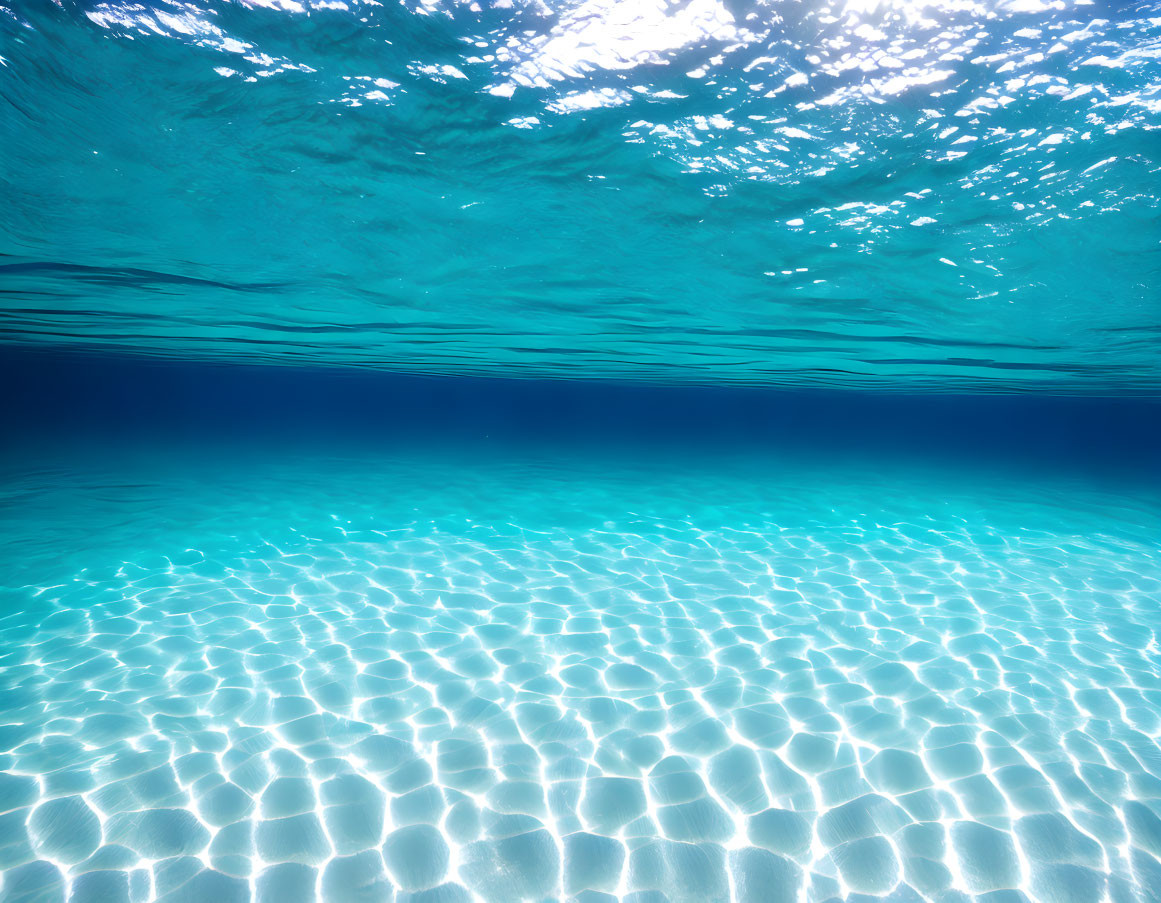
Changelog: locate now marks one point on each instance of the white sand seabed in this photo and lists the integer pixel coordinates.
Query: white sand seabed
(379, 683)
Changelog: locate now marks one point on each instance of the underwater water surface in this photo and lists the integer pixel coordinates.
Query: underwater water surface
(906, 194)
(580, 452)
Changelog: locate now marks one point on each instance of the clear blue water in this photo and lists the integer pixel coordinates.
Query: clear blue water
(632, 452)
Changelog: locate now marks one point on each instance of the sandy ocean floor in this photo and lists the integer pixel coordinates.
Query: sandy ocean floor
(365, 679)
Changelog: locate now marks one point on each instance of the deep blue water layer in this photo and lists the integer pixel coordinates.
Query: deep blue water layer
(105, 397)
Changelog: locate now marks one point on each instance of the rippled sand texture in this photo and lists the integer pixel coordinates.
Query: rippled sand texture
(688, 689)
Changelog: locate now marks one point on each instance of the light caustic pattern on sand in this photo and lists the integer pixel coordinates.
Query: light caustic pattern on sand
(653, 708)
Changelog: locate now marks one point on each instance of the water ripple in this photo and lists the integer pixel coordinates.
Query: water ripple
(599, 181)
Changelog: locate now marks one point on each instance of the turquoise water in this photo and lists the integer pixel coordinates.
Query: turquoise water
(428, 676)
(930, 195)
(580, 451)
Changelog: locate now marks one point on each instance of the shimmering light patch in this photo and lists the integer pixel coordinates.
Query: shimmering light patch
(607, 34)
(357, 679)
